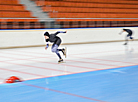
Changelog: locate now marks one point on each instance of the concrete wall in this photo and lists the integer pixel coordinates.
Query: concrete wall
(26, 38)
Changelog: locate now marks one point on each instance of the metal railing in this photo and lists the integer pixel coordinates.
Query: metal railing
(5, 23)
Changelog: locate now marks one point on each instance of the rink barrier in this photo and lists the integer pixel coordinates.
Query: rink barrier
(35, 38)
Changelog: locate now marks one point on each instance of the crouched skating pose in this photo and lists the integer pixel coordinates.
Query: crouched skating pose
(53, 38)
(129, 35)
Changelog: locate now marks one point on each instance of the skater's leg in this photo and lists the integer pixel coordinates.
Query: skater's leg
(131, 38)
(126, 40)
(63, 51)
(59, 49)
(58, 42)
(55, 50)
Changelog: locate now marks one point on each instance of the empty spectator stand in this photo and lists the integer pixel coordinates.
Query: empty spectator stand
(91, 13)
(15, 16)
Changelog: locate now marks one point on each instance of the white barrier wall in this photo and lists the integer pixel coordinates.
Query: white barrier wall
(24, 38)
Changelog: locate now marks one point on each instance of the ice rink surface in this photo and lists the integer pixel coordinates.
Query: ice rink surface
(36, 62)
(100, 72)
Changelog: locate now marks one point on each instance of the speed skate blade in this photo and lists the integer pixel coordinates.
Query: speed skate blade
(65, 52)
(61, 62)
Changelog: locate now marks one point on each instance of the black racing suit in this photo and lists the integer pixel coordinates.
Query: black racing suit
(128, 31)
(54, 39)
(56, 42)
(128, 35)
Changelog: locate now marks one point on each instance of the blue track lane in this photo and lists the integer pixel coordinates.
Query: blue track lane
(112, 85)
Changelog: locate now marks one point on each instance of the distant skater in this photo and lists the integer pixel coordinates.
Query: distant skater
(128, 36)
(53, 38)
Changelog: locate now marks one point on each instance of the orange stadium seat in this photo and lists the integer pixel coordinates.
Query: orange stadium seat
(88, 10)
(9, 2)
(92, 15)
(106, 1)
(76, 12)
(13, 12)
(85, 4)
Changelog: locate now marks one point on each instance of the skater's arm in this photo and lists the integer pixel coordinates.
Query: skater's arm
(47, 44)
(60, 32)
(121, 32)
(124, 30)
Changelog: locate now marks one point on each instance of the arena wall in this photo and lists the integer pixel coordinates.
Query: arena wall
(34, 37)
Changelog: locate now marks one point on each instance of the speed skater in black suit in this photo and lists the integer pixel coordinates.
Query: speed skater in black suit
(53, 38)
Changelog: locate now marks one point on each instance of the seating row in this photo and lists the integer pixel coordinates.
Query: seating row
(106, 1)
(84, 5)
(9, 2)
(12, 7)
(15, 14)
(92, 15)
(88, 10)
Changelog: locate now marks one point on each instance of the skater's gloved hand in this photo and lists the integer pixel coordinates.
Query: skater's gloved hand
(62, 31)
(47, 45)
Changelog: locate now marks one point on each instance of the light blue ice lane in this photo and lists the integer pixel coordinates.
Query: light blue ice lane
(113, 85)
(22, 93)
